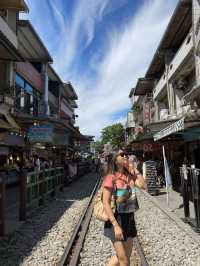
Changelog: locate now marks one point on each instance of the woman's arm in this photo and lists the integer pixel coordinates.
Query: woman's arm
(139, 179)
(107, 194)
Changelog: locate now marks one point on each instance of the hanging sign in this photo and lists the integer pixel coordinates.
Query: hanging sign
(41, 133)
(175, 127)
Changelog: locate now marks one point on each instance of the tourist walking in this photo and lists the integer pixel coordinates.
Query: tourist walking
(120, 181)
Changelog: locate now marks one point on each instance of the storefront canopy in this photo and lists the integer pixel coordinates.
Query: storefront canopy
(188, 130)
(4, 110)
(173, 128)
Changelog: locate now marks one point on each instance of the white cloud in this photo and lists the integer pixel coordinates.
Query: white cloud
(128, 54)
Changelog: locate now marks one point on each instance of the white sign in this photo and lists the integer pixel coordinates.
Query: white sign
(178, 126)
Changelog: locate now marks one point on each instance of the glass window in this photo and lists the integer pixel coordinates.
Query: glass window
(27, 98)
(19, 81)
(29, 88)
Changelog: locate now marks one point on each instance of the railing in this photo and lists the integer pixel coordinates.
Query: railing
(159, 86)
(43, 183)
(36, 186)
(53, 99)
(177, 61)
(181, 55)
(190, 183)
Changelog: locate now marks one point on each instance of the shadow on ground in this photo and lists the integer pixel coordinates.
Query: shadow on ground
(17, 246)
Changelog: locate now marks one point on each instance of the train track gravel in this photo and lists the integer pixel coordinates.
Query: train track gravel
(43, 237)
(163, 241)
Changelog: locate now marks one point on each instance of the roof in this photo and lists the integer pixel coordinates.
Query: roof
(176, 32)
(131, 92)
(144, 86)
(70, 91)
(30, 45)
(53, 75)
(20, 5)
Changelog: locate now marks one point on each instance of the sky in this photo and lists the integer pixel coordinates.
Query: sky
(102, 47)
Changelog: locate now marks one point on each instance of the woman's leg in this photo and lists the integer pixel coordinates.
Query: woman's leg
(129, 247)
(113, 261)
(121, 258)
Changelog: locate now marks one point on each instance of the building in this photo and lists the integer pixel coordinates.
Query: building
(166, 101)
(37, 109)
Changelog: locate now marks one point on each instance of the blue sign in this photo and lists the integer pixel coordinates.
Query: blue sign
(41, 133)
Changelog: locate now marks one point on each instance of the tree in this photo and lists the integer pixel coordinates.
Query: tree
(113, 134)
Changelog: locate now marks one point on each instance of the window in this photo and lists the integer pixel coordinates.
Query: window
(26, 97)
(19, 81)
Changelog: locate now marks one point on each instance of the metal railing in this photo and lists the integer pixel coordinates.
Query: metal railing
(35, 187)
(190, 183)
(41, 184)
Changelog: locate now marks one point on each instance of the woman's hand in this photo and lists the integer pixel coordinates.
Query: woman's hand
(118, 233)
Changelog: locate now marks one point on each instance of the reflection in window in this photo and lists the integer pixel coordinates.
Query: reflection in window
(27, 98)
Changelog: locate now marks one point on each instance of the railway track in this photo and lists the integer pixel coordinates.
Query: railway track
(71, 255)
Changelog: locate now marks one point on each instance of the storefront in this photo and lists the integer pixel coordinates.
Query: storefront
(11, 156)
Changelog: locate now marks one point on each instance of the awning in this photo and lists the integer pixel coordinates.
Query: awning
(4, 110)
(11, 140)
(4, 124)
(173, 128)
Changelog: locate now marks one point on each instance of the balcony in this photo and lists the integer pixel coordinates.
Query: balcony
(66, 110)
(179, 59)
(6, 31)
(53, 100)
(181, 56)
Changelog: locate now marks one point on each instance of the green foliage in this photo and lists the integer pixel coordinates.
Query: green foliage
(113, 134)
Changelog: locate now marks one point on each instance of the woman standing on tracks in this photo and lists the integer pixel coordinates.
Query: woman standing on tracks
(120, 180)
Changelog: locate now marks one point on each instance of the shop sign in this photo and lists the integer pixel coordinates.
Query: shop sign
(154, 146)
(41, 133)
(178, 126)
(146, 113)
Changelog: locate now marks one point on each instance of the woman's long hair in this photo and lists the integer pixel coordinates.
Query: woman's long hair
(112, 166)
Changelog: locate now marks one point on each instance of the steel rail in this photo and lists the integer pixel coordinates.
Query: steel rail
(72, 251)
(140, 252)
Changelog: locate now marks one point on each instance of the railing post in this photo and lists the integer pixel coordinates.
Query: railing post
(23, 195)
(41, 179)
(2, 206)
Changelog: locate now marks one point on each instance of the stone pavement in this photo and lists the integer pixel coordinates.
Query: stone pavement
(175, 203)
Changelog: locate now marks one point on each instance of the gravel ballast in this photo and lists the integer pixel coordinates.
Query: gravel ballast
(42, 238)
(163, 241)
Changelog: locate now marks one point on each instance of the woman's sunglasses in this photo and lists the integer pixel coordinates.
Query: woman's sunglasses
(122, 154)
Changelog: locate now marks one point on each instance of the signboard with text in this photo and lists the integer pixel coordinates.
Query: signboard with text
(41, 133)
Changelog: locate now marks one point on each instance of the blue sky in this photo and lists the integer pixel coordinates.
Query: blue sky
(102, 47)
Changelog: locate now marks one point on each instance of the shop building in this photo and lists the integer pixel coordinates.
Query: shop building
(11, 139)
(166, 101)
(36, 107)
